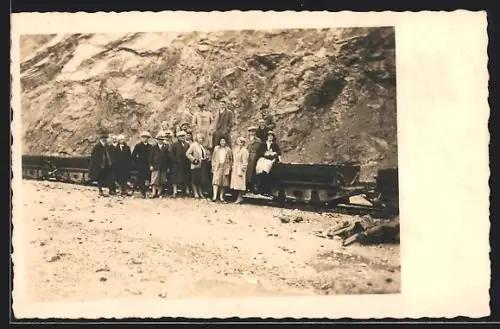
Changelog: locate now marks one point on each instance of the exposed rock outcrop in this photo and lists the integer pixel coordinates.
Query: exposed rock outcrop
(332, 91)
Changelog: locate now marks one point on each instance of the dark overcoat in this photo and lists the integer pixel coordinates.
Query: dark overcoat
(180, 163)
(122, 161)
(263, 148)
(140, 156)
(100, 161)
(159, 159)
(261, 133)
(252, 158)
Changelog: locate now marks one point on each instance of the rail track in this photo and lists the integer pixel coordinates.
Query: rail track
(308, 187)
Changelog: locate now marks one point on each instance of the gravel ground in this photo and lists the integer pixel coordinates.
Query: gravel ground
(82, 247)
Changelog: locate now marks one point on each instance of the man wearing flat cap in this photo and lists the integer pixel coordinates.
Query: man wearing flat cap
(101, 163)
(140, 157)
(122, 161)
(224, 120)
(253, 146)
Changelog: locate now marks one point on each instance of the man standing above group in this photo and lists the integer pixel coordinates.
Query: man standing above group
(224, 120)
(268, 117)
(101, 164)
(202, 122)
(141, 158)
(262, 130)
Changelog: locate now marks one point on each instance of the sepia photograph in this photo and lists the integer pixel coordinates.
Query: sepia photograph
(219, 164)
(208, 165)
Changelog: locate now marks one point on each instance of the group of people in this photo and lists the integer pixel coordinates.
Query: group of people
(175, 159)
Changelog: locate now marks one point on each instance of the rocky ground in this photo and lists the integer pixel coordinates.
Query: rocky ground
(82, 247)
(332, 91)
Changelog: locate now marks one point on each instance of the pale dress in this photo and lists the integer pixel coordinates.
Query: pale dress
(240, 164)
(221, 166)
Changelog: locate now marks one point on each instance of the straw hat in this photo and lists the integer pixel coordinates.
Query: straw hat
(145, 134)
(252, 128)
(121, 137)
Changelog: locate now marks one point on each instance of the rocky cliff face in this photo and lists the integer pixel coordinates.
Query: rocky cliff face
(332, 91)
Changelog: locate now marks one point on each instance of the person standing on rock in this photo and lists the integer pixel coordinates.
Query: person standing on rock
(140, 157)
(180, 164)
(262, 130)
(122, 164)
(253, 146)
(222, 159)
(239, 168)
(224, 120)
(268, 117)
(159, 163)
(101, 164)
(202, 122)
(197, 155)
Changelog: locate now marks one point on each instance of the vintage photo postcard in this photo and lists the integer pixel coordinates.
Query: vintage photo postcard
(250, 164)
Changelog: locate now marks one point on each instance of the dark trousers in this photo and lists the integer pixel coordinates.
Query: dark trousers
(122, 183)
(105, 179)
(142, 177)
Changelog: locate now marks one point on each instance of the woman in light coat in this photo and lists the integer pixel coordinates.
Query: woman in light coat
(197, 155)
(222, 159)
(240, 164)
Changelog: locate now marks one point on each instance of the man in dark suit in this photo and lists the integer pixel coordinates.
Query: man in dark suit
(113, 146)
(101, 164)
(224, 120)
(122, 164)
(262, 130)
(140, 156)
(159, 163)
(180, 164)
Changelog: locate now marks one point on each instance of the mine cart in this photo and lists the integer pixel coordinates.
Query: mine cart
(61, 169)
(314, 183)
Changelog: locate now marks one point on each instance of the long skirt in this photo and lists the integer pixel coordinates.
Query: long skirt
(238, 183)
(197, 176)
(180, 174)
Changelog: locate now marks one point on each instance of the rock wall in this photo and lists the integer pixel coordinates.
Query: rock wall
(332, 91)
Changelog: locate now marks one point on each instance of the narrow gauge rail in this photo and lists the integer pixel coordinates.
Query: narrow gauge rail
(310, 187)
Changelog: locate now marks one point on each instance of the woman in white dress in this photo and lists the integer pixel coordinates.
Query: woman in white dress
(221, 169)
(240, 164)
